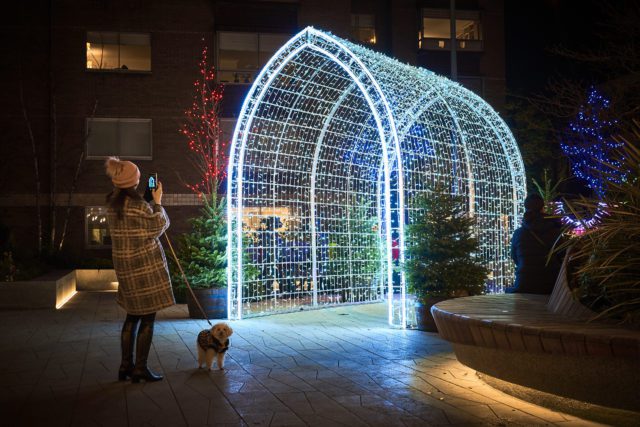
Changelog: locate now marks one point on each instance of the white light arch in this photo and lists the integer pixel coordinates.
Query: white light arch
(332, 144)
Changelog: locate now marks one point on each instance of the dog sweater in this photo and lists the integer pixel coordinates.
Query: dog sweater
(207, 341)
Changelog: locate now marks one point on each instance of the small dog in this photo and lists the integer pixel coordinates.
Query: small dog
(213, 342)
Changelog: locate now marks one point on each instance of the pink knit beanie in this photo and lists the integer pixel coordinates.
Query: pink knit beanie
(123, 174)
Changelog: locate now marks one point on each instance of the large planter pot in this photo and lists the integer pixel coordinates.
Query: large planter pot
(213, 302)
(424, 319)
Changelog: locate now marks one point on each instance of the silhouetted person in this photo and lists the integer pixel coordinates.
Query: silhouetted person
(530, 248)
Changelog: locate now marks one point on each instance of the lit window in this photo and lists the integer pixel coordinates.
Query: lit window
(97, 230)
(242, 55)
(118, 51)
(129, 138)
(436, 30)
(363, 28)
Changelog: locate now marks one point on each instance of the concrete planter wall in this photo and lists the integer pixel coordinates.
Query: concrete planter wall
(55, 288)
(48, 291)
(96, 280)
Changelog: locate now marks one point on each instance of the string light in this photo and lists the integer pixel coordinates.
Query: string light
(580, 225)
(202, 129)
(332, 145)
(590, 148)
(590, 144)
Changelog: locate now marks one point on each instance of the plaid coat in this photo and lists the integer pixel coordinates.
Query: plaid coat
(141, 267)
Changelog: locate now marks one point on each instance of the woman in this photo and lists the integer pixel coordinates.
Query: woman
(530, 248)
(144, 286)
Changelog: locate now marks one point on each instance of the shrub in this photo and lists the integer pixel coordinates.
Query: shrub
(202, 251)
(607, 256)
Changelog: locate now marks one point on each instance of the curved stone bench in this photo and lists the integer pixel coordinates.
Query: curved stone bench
(517, 338)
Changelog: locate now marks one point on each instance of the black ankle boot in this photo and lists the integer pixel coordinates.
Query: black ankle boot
(125, 372)
(146, 375)
(143, 345)
(127, 339)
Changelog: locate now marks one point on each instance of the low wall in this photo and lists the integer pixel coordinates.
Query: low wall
(611, 382)
(54, 288)
(49, 291)
(96, 280)
(515, 338)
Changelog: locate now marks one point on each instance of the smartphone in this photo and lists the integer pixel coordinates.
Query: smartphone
(152, 182)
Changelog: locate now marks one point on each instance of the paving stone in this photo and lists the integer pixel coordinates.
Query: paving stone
(316, 368)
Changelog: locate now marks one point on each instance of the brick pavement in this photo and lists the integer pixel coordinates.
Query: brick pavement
(340, 366)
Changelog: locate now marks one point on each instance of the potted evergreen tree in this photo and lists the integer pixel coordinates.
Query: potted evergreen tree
(202, 255)
(442, 254)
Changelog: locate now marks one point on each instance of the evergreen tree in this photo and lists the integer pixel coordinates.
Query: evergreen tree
(442, 251)
(590, 145)
(202, 251)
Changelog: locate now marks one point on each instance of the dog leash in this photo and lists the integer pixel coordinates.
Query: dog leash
(184, 277)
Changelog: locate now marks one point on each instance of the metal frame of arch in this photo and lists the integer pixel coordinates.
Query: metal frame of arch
(332, 144)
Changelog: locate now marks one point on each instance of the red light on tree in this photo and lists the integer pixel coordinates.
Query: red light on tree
(209, 152)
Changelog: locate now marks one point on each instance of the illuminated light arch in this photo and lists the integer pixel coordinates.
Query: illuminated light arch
(332, 145)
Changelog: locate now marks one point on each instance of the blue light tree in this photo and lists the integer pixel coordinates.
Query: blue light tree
(590, 145)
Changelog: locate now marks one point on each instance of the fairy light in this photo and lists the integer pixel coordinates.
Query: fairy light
(580, 225)
(202, 129)
(590, 149)
(590, 145)
(332, 145)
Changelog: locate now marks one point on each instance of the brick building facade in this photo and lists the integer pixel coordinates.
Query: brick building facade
(54, 86)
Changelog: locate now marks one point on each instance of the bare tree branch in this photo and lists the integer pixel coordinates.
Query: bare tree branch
(74, 182)
(36, 166)
(54, 171)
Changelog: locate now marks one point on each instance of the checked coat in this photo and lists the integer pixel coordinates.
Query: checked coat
(138, 258)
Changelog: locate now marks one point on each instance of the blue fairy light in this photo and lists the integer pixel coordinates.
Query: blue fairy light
(590, 144)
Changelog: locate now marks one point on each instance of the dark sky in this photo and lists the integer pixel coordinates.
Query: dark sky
(532, 26)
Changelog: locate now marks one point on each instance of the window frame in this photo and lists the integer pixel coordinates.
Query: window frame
(233, 120)
(444, 43)
(354, 28)
(86, 228)
(118, 120)
(119, 70)
(252, 72)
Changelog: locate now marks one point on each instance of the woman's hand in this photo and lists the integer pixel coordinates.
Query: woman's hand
(157, 194)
